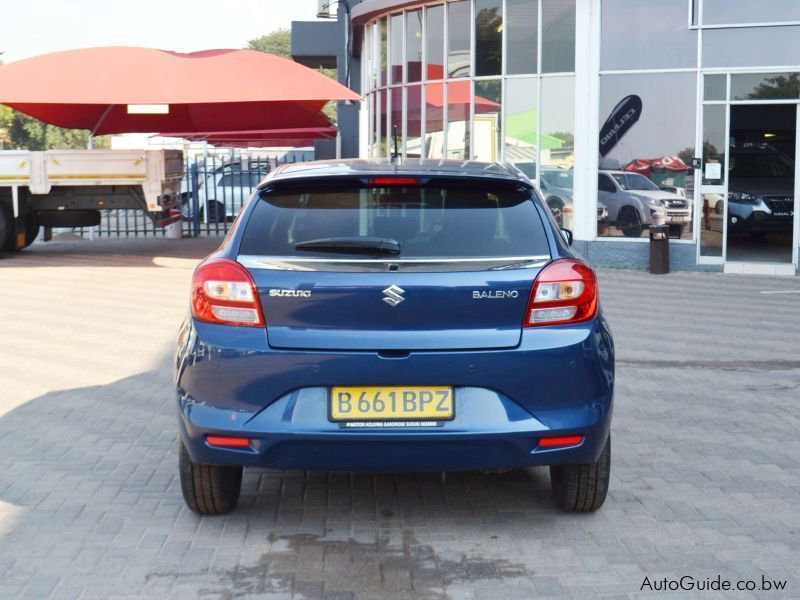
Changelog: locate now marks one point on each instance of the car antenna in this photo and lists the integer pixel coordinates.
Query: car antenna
(396, 153)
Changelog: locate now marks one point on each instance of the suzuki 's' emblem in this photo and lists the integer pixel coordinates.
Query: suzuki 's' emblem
(394, 295)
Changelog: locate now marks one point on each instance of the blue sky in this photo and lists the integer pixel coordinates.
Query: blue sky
(34, 27)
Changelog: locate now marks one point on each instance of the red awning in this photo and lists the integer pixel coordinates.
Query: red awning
(212, 90)
(260, 138)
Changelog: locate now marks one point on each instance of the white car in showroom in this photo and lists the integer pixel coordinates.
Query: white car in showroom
(634, 203)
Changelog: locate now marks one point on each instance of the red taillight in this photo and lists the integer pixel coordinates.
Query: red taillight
(564, 292)
(564, 440)
(226, 441)
(223, 292)
(393, 181)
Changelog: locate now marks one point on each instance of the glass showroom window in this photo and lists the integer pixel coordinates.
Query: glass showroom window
(434, 120)
(383, 137)
(413, 121)
(495, 115)
(382, 32)
(486, 128)
(458, 119)
(522, 36)
(723, 12)
(647, 142)
(434, 42)
(661, 38)
(522, 123)
(396, 48)
(458, 41)
(557, 146)
(558, 36)
(488, 37)
(414, 46)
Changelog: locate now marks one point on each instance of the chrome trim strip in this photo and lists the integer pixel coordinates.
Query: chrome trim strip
(290, 263)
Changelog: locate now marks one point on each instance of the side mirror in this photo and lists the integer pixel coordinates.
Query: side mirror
(567, 235)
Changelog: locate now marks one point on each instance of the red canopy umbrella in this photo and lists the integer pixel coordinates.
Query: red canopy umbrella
(664, 164)
(125, 90)
(260, 137)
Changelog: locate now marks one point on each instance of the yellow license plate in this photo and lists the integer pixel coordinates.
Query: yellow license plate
(391, 403)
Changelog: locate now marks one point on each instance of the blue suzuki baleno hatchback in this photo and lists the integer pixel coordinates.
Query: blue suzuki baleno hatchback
(363, 315)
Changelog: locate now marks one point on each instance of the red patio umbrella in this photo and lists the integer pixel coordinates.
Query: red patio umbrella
(664, 164)
(102, 89)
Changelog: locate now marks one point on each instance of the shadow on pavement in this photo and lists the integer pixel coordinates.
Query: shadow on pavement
(113, 252)
(93, 472)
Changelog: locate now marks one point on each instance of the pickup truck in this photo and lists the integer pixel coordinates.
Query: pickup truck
(69, 188)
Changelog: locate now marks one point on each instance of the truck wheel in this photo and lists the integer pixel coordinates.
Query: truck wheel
(31, 228)
(675, 231)
(6, 229)
(582, 488)
(208, 489)
(629, 223)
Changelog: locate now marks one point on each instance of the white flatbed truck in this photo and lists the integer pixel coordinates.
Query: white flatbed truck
(69, 188)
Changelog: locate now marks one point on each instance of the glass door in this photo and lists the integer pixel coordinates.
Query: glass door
(761, 182)
(712, 199)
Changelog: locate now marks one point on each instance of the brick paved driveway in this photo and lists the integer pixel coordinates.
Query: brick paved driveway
(705, 477)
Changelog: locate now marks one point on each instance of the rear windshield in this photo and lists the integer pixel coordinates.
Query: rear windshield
(425, 222)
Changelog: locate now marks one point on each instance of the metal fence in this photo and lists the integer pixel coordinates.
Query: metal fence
(215, 186)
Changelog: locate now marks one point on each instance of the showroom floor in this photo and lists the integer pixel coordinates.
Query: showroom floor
(705, 478)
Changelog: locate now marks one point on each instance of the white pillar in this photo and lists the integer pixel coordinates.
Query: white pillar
(363, 129)
(587, 126)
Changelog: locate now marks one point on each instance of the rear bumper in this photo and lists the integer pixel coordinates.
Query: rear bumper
(559, 381)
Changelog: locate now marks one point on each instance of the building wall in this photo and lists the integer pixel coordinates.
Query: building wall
(534, 81)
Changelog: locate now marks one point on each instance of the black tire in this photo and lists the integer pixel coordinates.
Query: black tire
(31, 228)
(216, 212)
(557, 208)
(208, 489)
(582, 488)
(6, 229)
(676, 231)
(719, 207)
(628, 221)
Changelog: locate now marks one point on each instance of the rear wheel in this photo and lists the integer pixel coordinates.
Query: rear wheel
(31, 228)
(208, 489)
(582, 488)
(6, 228)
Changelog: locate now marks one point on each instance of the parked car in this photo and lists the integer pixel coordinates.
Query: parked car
(634, 203)
(555, 185)
(760, 191)
(222, 193)
(363, 315)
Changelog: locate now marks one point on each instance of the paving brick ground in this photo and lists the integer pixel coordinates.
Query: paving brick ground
(705, 478)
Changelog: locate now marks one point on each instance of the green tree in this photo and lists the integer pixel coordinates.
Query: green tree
(279, 43)
(566, 136)
(777, 88)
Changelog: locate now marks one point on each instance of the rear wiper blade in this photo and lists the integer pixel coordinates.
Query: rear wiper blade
(352, 245)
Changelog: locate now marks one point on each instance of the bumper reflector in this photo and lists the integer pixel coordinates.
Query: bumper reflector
(564, 440)
(225, 441)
